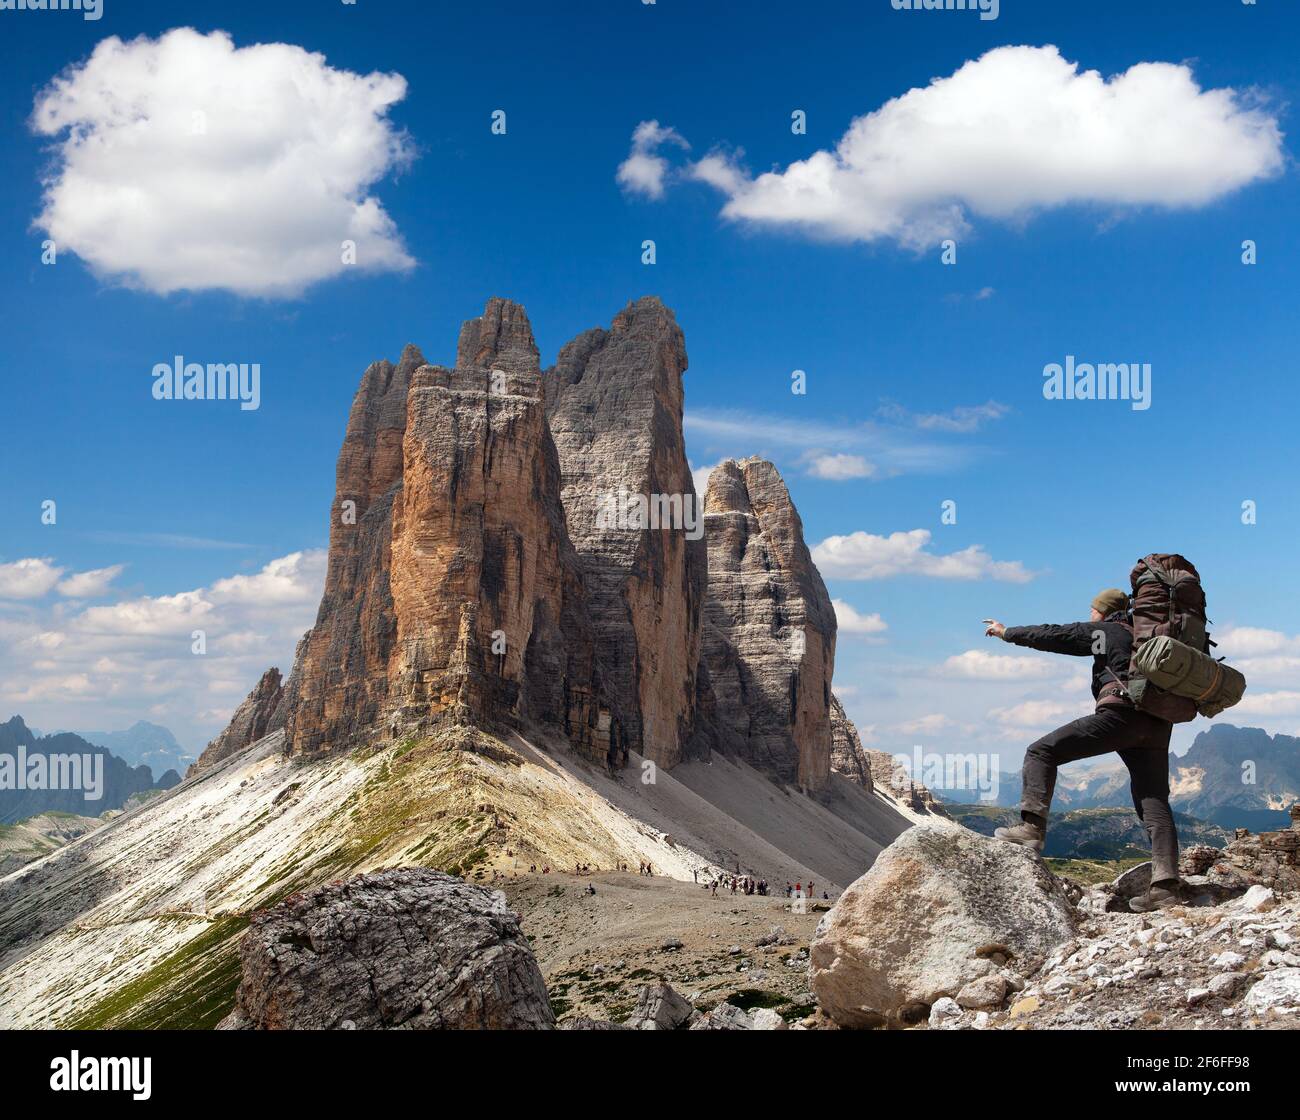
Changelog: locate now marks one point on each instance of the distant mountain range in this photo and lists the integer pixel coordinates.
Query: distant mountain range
(1102, 834)
(25, 762)
(1233, 777)
(143, 744)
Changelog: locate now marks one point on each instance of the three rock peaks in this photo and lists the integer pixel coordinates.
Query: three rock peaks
(519, 548)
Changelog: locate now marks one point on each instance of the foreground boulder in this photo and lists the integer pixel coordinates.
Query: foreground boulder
(408, 948)
(941, 907)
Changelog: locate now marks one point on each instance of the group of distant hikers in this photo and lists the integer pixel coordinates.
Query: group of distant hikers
(1151, 668)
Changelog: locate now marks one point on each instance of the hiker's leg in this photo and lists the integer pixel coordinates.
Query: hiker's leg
(1148, 768)
(1084, 738)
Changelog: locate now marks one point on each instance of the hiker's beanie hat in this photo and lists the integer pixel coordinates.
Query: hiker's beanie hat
(1110, 600)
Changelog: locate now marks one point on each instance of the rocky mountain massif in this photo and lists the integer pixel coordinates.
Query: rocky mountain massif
(143, 744)
(512, 548)
(511, 668)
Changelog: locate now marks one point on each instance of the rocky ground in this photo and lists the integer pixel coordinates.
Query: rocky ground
(597, 952)
(1234, 965)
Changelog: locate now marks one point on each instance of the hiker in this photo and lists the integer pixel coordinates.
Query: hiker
(1140, 739)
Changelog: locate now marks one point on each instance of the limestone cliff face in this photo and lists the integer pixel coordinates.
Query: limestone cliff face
(340, 675)
(614, 405)
(258, 715)
(769, 640)
(848, 757)
(453, 591)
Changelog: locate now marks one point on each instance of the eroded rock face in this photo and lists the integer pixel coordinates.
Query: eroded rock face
(935, 912)
(848, 757)
(614, 404)
(455, 592)
(340, 676)
(769, 639)
(258, 715)
(407, 948)
(491, 613)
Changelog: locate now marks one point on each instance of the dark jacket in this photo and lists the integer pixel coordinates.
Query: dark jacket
(1112, 636)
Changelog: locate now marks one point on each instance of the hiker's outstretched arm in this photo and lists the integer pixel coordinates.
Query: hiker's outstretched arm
(1074, 638)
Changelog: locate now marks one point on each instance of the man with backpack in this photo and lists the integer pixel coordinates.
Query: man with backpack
(1138, 737)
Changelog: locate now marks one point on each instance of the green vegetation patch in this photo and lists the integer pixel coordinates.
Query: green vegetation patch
(1090, 872)
(192, 989)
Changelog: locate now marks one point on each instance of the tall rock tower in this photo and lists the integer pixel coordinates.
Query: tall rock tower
(454, 592)
(614, 405)
(769, 639)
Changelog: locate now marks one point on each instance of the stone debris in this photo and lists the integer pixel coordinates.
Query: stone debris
(659, 1008)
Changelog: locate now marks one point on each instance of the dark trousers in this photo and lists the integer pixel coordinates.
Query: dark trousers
(1142, 742)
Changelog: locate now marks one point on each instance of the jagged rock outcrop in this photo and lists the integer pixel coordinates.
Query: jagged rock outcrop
(769, 639)
(258, 715)
(454, 592)
(940, 907)
(614, 404)
(848, 756)
(407, 948)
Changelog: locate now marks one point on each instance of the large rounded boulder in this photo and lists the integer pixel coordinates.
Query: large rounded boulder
(407, 948)
(942, 906)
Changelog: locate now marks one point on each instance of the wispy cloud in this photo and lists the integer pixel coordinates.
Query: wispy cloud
(161, 540)
(824, 448)
(863, 555)
(963, 418)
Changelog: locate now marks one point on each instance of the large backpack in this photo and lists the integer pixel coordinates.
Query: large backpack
(1171, 673)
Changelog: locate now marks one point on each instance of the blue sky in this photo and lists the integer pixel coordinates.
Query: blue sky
(188, 497)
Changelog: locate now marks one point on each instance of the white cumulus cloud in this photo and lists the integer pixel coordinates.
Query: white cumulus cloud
(852, 621)
(29, 578)
(864, 555)
(187, 163)
(110, 664)
(1018, 130)
(644, 170)
(980, 665)
(90, 585)
(1039, 713)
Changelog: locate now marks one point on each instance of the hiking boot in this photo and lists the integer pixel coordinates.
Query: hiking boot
(1025, 834)
(1161, 896)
